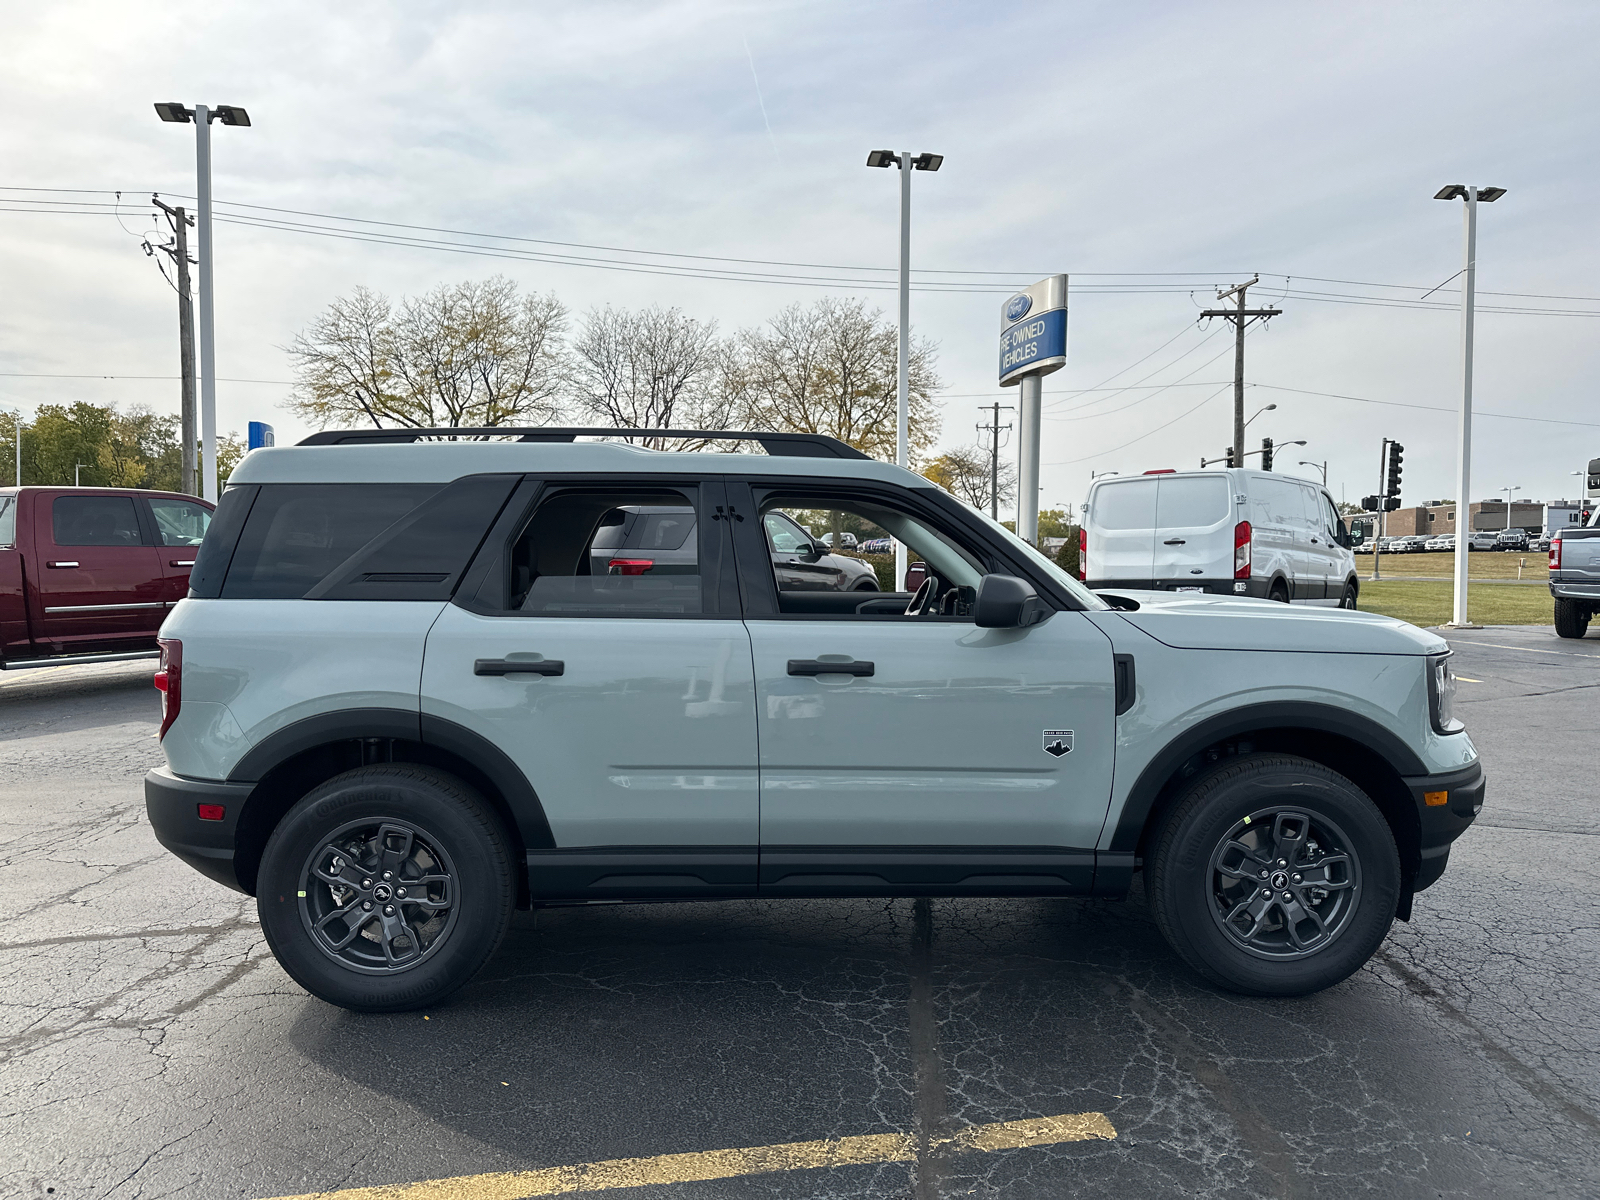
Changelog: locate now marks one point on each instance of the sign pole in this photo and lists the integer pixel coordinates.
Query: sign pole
(1029, 400)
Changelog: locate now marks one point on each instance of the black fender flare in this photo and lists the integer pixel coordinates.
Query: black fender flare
(1288, 715)
(392, 724)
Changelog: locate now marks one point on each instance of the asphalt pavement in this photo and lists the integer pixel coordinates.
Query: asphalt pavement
(151, 1047)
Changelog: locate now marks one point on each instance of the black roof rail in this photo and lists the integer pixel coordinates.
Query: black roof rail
(789, 445)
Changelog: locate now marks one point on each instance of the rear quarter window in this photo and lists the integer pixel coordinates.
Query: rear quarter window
(297, 533)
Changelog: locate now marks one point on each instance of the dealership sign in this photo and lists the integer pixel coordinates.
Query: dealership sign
(1033, 330)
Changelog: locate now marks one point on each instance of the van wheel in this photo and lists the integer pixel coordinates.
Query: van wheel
(1572, 618)
(1279, 593)
(386, 888)
(1348, 600)
(1274, 876)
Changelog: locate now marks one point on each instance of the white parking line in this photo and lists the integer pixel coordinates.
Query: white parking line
(1525, 649)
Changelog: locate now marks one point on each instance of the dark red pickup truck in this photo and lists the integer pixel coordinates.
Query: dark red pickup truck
(88, 574)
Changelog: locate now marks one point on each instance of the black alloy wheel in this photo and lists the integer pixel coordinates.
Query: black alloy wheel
(386, 888)
(1273, 875)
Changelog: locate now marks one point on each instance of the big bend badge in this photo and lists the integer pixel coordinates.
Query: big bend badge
(1058, 742)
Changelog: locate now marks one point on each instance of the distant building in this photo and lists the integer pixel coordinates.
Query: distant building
(1439, 517)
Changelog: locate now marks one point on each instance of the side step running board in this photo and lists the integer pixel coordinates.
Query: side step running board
(74, 660)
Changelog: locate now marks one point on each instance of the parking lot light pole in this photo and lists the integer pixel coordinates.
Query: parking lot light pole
(907, 162)
(202, 116)
(1469, 275)
(1508, 491)
(1321, 466)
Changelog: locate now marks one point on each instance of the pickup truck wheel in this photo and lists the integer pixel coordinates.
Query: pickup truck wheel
(1274, 876)
(386, 888)
(1572, 618)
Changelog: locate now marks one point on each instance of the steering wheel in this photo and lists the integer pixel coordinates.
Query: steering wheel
(925, 599)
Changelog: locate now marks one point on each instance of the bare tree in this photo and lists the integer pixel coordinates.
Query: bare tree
(472, 353)
(967, 474)
(832, 368)
(653, 369)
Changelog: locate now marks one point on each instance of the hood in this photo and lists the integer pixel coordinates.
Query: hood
(1192, 621)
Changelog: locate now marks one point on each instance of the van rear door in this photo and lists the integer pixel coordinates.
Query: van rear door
(1194, 530)
(1122, 531)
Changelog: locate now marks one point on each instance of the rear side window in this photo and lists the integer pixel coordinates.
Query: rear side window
(1279, 502)
(179, 522)
(645, 529)
(1191, 501)
(1125, 505)
(94, 521)
(298, 532)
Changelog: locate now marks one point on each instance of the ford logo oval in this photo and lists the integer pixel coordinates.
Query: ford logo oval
(1018, 307)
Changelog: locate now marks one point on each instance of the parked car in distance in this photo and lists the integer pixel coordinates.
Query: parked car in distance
(877, 546)
(1445, 541)
(1483, 539)
(847, 541)
(1540, 541)
(1235, 532)
(1413, 544)
(1511, 539)
(398, 704)
(90, 573)
(663, 540)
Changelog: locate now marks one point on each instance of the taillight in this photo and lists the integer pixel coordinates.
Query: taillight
(169, 682)
(1083, 553)
(1241, 550)
(1555, 554)
(630, 566)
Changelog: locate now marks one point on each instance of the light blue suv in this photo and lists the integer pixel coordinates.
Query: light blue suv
(400, 702)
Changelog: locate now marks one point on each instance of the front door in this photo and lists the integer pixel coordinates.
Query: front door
(920, 751)
(98, 579)
(626, 699)
(180, 526)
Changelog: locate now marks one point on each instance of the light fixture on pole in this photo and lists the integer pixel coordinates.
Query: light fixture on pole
(1469, 277)
(202, 116)
(1508, 491)
(1321, 466)
(907, 162)
(1258, 412)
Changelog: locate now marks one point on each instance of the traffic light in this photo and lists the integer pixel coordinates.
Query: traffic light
(1371, 503)
(1231, 463)
(1391, 491)
(1266, 454)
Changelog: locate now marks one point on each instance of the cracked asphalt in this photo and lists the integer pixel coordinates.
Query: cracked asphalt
(151, 1047)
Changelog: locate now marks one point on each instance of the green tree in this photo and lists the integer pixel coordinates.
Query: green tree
(97, 446)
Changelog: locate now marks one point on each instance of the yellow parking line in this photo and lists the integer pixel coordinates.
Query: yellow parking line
(731, 1164)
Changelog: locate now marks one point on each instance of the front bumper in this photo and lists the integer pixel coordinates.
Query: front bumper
(173, 804)
(1443, 821)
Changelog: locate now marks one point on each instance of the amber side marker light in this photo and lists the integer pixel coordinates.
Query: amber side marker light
(1435, 799)
(215, 812)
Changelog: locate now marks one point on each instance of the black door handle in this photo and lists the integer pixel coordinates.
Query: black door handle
(813, 666)
(519, 666)
(1173, 542)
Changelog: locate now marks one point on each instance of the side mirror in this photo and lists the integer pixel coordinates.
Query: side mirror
(1006, 602)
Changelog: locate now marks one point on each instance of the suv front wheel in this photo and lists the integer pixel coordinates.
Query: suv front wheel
(386, 888)
(1274, 876)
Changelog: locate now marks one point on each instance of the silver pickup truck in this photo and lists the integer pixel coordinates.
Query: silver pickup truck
(1575, 575)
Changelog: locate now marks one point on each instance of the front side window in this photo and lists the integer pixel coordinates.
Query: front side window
(8, 520)
(608, 552)
(95, 521)
(180, 522)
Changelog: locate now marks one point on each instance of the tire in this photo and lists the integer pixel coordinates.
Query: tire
(1572, 618)
(1351, 595)
(430, 830)
(866, 585)
(1279, 593)
(1206, 855)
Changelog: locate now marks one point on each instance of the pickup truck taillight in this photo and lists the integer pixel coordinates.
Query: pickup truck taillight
(1555, 554)
(169, 682)
(630, 566)
(1083, 553)
(1241, 550)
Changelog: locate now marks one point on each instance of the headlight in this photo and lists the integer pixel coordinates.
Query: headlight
(1442, 695)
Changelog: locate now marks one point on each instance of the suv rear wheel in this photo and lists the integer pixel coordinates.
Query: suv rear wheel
(1274, 876)
(386, 888)
(1572, 618)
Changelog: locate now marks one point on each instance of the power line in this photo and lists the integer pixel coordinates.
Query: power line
(1102, 453)
(1477, 412)
(52, 375)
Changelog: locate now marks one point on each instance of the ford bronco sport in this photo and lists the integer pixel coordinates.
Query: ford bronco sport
(401, 700)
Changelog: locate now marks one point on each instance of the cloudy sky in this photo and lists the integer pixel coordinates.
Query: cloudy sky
(1151, 151)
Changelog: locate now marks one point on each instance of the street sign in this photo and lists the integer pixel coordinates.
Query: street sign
(1033, 331)
(260, 435)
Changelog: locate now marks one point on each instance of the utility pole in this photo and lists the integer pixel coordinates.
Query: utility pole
(179, 253)
(994, 428)
(1241, 318)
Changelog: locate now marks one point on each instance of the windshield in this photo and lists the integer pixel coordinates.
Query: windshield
(1076, 589)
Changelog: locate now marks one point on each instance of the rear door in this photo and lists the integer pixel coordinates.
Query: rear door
(1281, 537)
(1121, 516)
(98, 578)
(179, 527)
(1194, 530)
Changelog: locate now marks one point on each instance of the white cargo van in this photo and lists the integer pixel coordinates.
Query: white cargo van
(1232, 532)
